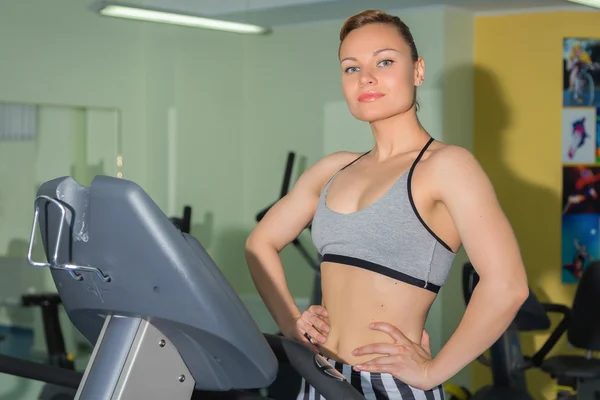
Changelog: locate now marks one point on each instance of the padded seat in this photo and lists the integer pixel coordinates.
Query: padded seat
(572, 366)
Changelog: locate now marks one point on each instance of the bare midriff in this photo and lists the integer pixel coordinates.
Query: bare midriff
(355, 297)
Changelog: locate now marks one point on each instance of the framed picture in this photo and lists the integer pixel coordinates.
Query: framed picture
(580, 156)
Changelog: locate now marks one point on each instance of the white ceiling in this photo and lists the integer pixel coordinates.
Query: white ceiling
(285, 12)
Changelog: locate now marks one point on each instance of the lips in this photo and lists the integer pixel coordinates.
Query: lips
(369, 97)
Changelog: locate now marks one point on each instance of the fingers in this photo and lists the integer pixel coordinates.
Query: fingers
(305, 340)
(317, 322)
(379, 364)
(313, 323)
(425, 338)
(317, 316)
(391, 330)
(383, 360)
(378, 348)
(307, 327)
(383, 368)
(319, 310)
(425, 341)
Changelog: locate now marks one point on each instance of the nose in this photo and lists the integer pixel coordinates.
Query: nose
(367, 78)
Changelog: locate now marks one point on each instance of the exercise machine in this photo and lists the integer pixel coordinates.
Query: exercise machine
(57, 354)
(162, 318)
(506, 360)
(579, 373)
(184, 223)
(314, 264)
(49, 303)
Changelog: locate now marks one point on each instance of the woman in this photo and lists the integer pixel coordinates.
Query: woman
(388, 224)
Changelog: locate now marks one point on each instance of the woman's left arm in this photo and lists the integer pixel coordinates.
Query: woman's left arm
(489, 241)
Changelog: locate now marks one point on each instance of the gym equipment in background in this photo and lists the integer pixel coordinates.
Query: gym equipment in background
(507, 362)
(184, 224)
(163, 319)
(55, 343)
(314, 264)
(57, 357)
(582, 326)
(56, 350)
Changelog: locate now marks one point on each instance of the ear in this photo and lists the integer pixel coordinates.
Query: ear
(419, 74)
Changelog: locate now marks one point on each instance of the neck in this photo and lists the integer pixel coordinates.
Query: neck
(399, 134)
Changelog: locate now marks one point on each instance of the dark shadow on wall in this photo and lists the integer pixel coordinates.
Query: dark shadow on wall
(204, 231)
(229, 254)
(533, 210)
(226, 248)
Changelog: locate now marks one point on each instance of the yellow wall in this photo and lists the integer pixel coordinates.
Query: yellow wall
(518, 99)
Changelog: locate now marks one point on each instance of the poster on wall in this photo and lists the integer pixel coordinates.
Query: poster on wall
(580, 155)
(581, 66)
(579, 141)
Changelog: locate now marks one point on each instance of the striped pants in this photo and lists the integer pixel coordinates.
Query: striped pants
(374, 386)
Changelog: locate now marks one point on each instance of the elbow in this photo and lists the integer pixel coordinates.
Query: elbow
(521, 288)
(252, 242)
(256, 244)
(509, 291)
(520, 294)
(516, 293)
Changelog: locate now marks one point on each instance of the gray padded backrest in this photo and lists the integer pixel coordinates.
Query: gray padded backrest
(157, 273)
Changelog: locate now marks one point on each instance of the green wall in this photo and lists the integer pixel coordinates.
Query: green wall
(207, 118)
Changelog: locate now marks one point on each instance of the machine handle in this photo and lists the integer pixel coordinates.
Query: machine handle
(72, 268)
(538, 358)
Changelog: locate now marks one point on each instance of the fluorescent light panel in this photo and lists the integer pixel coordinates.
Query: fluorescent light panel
(169, 17)
(590, 3)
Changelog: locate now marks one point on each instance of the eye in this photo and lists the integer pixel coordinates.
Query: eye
(350, 70)
(386, 63)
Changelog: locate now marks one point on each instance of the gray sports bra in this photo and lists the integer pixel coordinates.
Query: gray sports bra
(387, 237)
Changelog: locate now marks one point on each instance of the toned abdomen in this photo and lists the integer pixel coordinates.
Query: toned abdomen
(355, 297)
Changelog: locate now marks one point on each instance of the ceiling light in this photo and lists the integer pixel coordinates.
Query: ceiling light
(590, 3)
(120, 10)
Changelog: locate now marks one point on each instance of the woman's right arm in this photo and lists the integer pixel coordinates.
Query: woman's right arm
(280, 226)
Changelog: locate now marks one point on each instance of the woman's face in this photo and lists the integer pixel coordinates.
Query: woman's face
(378, 74)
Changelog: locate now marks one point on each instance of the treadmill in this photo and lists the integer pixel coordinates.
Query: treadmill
(162, 318)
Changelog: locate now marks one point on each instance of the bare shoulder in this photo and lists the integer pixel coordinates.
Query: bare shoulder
(318, 174)
(467, 193)
(337, 160)
(458, 181)
(453, 166)
(445, 157)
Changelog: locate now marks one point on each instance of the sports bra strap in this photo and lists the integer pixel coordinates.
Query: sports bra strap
(355, 160)
(414, 164)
